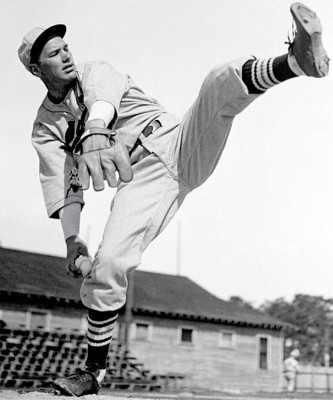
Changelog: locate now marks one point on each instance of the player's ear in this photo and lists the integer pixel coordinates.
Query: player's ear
(35, 70)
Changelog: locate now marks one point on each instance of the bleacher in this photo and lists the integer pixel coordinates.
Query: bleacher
(34, 358)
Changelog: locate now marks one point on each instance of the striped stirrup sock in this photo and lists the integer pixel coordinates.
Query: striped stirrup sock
(99, 336)
(260, 75)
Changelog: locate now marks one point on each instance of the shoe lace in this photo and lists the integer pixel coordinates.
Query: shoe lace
(292, 35)
(92, 368)
(79, 376)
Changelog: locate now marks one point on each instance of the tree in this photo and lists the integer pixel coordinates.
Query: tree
(313, 316)
(239, 301)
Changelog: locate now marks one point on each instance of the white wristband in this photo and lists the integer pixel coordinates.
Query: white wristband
(102, 110)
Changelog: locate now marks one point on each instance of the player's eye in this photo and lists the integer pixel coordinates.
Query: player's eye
(54, 53)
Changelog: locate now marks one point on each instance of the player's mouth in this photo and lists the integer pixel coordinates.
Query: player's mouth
(69, 68)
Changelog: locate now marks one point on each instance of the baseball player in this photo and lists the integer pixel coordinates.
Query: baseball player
(290, 369)
(96, 124)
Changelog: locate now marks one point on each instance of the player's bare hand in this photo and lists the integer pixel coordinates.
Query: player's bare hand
(110, 156)
(75, 248)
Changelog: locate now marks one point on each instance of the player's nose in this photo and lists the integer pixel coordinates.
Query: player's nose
(66, 56)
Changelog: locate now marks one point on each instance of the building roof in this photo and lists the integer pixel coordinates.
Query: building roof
(178, 296)
(39, 275)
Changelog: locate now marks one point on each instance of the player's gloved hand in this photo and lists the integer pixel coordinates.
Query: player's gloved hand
(100, 153)
(75, 248)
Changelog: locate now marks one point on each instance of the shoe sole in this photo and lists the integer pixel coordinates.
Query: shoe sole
(63, 389)
(309, 28)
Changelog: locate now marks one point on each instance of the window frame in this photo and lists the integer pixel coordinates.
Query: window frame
(193, 336)
(220, 339)
(47, 314)
(149, 331)
(269, 351)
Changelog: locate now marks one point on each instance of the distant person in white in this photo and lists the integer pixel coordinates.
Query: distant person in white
(290, 369)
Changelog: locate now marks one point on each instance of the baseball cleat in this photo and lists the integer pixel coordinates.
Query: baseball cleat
(307, 48)
(78, 384)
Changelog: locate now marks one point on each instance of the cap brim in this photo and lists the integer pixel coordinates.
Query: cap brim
(43, 38)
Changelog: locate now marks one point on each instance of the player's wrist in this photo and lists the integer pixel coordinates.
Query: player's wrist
(95, 137)
(76, 247)
(71, 239)
(70, 219)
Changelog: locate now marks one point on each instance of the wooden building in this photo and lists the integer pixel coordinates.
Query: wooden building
(171, 325)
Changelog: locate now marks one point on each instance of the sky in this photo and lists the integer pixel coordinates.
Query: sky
(261, 227)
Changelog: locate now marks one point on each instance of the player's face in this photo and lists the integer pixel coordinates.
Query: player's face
(56, 62)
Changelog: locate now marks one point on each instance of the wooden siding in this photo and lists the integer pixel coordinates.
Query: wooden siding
(205, 364)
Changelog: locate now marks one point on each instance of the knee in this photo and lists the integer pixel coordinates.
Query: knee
(115, 260)
(225, 90)
(105, 288)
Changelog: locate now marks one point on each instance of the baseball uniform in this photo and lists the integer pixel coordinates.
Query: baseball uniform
(176, 158)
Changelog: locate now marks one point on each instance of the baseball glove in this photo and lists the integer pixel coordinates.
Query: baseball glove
(99, 154)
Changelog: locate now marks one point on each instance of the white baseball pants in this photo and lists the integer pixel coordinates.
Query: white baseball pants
(170, 164)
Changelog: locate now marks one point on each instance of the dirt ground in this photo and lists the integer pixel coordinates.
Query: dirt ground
(104, 395)
(37, 395)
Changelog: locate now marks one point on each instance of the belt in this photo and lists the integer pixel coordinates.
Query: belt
(149, 129)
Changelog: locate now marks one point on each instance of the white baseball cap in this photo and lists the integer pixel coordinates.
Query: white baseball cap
(34, 41)
(295, 353)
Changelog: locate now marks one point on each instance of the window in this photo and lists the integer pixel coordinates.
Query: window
(186, 335)
(263, 352)
(39, 319)
(142, 331)
(227, 340)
